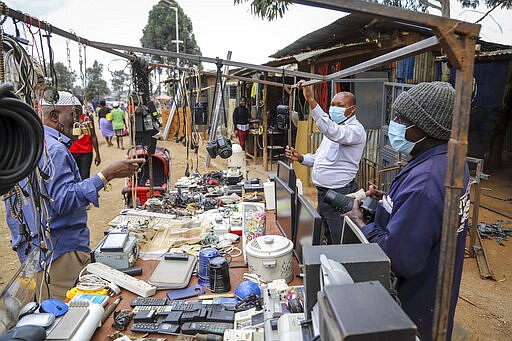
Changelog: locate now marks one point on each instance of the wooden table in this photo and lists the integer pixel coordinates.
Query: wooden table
(254, 155)
(236, 277)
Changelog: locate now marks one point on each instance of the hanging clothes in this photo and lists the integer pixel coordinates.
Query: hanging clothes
(323, 90)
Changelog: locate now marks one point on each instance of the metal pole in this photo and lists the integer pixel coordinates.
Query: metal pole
(177, 38)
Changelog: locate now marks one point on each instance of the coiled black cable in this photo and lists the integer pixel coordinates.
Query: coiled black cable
(21, 138)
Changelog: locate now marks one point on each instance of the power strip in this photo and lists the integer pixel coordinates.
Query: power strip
(132, 220)
(147, 214)
(128, 282)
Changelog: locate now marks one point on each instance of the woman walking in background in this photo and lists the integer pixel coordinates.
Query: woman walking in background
(105, 124)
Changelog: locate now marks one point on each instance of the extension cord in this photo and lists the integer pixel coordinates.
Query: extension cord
(125, 281)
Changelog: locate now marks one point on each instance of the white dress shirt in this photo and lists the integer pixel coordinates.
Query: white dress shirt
(336, 161)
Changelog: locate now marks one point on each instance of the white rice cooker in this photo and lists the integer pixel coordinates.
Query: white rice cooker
(270, 257)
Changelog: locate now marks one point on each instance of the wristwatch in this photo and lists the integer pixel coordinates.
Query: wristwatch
(107, 186)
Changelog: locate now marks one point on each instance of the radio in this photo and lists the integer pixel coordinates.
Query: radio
(118, 250)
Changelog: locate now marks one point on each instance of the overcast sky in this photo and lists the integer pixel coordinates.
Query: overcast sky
(219, 26)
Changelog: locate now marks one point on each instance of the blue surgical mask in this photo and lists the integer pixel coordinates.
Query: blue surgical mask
(396, 133)
(337, 114)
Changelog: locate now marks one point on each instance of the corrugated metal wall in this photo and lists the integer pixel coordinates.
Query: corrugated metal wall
(415, 69)
(486, 107)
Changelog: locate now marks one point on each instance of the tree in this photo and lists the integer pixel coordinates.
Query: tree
(66, 78)
(96, 85)
(119, 79)
(160, 31)
(272, 9)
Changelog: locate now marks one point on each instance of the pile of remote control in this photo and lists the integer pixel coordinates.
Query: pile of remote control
(163, 316)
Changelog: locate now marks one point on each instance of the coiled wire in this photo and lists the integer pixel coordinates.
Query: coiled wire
(21, 138)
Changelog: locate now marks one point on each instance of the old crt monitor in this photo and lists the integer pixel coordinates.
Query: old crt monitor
(285, 208)
(286, 173)
(309, 225)
(351, 234)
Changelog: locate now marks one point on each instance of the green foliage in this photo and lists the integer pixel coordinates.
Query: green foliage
(96, 86)
(272, 9)
(119, 80)
(267, 9)
(66, 78)
(506, 4)
(160, 32)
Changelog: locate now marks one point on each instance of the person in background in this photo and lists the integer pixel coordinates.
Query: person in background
(336, 161)
(105, 123)
(82, 149)
(118, 123)
(241, 121)
(408, 223)
(60, 231)
(95, 104)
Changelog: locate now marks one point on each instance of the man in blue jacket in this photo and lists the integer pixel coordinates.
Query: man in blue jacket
(408, 222)
(50, 210)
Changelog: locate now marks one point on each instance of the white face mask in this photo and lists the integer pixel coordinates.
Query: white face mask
(337, 114)
(396, 133)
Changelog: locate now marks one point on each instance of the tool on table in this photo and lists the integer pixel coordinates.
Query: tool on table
(110, 309)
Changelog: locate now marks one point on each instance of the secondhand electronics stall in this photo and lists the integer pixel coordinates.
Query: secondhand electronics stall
(208, 259)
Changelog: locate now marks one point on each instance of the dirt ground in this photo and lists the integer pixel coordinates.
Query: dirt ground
(484, 308)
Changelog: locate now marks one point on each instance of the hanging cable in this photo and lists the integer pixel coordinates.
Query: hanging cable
(19, 154)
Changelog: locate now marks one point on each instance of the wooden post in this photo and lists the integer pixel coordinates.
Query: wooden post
(463, 51)
(265, 124)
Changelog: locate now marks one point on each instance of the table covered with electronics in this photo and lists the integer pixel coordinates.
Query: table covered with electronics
(211, 260)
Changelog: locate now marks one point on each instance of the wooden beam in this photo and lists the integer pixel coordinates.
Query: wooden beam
(395, 13)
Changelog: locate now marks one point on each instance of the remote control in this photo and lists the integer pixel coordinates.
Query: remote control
(149, 301)
(182, 305)
(155, 327)
(160, 309)
(145, 327)
(218, 328)
(175, 256)
(133, 271)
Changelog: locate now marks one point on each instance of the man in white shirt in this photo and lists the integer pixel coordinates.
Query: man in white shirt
(336, 161)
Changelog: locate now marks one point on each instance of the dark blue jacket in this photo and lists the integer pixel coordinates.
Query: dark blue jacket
(411, 235)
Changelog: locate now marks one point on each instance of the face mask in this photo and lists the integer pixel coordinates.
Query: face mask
(396, 133)
(337, 114)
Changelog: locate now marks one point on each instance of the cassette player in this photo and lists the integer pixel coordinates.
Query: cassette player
(253, 185)
(119, 250)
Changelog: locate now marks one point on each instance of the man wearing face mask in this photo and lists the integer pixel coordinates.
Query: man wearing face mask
(336, 161)
(408, 224)
(60, 230)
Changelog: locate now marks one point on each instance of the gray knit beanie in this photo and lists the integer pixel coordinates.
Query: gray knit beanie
(429, 106)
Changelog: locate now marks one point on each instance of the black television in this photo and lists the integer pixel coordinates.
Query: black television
(309, 226)
(285, 208)
(286, 173)
(351, 234)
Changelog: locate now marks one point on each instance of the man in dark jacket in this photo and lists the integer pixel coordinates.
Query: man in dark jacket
(241, 121)
(408, 223)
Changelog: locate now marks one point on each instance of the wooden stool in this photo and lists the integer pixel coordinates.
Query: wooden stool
(274, 151)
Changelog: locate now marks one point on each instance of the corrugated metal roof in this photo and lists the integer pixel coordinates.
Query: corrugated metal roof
(356, 28)
(485, 56)
(352, 28)
(496, 53)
